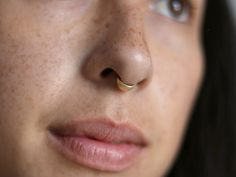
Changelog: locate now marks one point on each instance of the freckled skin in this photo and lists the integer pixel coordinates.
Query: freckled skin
(52, 56)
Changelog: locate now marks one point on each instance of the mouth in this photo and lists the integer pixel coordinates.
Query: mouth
(98, 144)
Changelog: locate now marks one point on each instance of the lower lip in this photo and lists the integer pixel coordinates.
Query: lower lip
(96, 154)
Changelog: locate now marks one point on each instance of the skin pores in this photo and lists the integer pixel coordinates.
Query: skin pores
(52, 56)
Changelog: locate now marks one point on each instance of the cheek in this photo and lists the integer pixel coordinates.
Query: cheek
(178, 68)
(28, 68)
(174, 89)
(176, 79)
(32, 72)
(37, 61)
(176, 84)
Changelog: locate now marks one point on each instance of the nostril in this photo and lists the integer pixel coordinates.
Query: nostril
(106, 72)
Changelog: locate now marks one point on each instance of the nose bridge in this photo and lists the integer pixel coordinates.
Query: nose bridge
(126, 29)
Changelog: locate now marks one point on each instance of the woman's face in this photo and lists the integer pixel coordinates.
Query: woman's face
(61, 112)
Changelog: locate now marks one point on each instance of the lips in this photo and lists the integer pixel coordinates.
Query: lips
(98, 144)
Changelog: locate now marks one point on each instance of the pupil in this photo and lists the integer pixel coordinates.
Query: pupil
(176, 7)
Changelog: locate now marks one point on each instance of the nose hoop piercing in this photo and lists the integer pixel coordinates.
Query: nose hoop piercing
(123, 86)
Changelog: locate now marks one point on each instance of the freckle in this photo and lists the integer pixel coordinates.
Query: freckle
(97, 21)
(38, 35)
(13, 90)
(134, 44)
(131, 30)
(107, 25)
(52, 95)
(103, 51)
(37, 6)
(98, 31)
(29, 98)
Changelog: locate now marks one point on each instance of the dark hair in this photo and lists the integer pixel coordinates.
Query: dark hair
(209, 146)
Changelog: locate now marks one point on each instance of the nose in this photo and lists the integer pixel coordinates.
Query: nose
(123, 52)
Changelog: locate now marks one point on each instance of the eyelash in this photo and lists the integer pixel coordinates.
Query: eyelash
(163, 7)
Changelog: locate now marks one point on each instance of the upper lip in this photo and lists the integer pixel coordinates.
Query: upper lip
(103, 130)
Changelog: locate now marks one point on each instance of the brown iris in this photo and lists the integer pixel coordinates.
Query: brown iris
(176, 7)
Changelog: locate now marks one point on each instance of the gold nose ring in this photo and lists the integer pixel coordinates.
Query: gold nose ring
(123, 86)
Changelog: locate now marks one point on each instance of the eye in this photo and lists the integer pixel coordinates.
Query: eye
(178, 10)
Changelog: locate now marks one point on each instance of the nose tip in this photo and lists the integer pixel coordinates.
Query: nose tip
(123, 51)
(131, 65)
